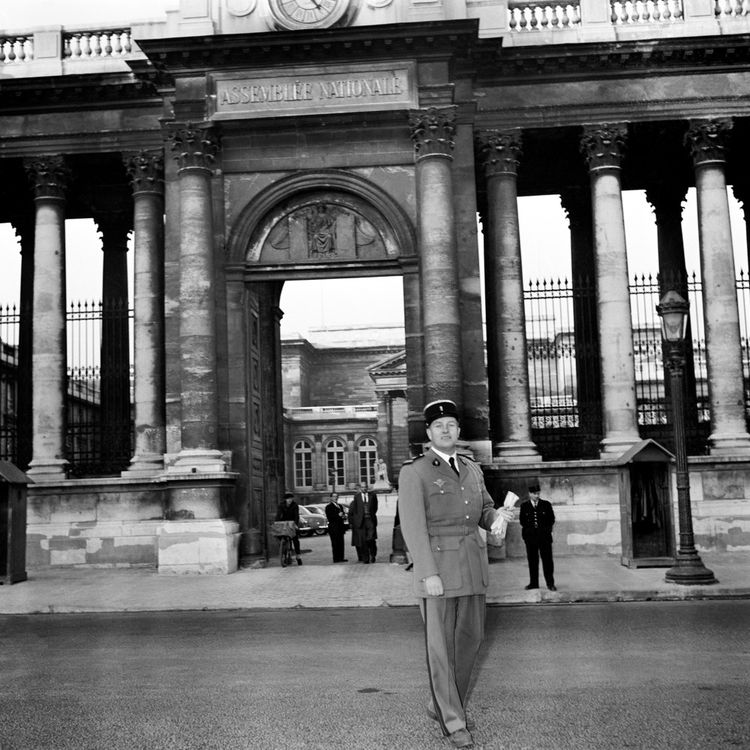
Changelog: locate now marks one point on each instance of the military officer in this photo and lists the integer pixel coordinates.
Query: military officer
(443, 502)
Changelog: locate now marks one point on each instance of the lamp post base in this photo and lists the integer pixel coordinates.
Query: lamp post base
(689, 570)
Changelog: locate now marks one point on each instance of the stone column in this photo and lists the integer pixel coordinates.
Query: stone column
(576, 202)
(146, 171)
(508, 366)
(707, 141)
(414, 351)
(667, 199)
(24, 228)
(603, 146)
(114, 404)
(195, 148)
(50, 178)
(432, 131)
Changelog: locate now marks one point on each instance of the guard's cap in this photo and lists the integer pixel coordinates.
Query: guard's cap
(534, 487)
(436, 409)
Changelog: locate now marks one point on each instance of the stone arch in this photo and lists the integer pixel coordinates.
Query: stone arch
(375, 226)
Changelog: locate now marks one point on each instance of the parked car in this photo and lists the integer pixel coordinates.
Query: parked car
(311, 523)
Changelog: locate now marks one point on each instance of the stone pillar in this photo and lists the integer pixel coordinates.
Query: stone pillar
(50, 178)
(603, 147)
(195, 147)
(114, 403)
(508, 366)
(414, 351)
(667, 198)
(146, 171)
(432, 131)
(196, 536)
(576, 202)
(707, 141)
(25, 231)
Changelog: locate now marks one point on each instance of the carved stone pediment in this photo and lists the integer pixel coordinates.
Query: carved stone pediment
(323, 228)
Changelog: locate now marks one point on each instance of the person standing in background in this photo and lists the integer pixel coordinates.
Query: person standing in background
(335, 514)
(537, 519)
(363, 518)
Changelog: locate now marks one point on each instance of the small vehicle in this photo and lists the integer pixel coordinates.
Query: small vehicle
(312, 523)
(284, 531)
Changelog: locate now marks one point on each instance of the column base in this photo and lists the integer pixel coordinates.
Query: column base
(516, 450)
(205, 547)
(144, 466)
(197, 461)
(47, 470)
(729, 444)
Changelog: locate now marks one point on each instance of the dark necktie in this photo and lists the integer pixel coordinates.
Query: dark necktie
(452, 462)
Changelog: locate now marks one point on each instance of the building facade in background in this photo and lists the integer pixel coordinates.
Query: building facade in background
(246, 144)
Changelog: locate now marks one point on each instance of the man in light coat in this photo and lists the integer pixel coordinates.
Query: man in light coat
(443, 503)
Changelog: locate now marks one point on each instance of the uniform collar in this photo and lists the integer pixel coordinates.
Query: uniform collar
(445, 456)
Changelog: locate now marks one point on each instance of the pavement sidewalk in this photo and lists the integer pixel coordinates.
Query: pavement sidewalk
(318, 584)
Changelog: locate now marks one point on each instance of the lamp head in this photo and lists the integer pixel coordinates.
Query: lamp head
(673, 311)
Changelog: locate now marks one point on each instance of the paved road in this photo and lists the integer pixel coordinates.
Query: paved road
(663, 675)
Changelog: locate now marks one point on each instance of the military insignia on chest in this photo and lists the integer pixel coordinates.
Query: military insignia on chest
(440, 483)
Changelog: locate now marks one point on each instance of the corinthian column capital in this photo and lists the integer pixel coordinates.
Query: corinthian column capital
(195, 145)
(49, 176)
(500, 151)
(433, 132)
(146, 171)
(707, 140)
(604, 145)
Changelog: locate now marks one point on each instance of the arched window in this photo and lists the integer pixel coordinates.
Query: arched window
(368, 458)
(302, 464)
(335, 464)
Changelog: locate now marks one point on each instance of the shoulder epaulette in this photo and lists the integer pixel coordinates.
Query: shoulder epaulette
(412, 460)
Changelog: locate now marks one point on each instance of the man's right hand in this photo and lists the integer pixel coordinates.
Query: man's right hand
(433, 585)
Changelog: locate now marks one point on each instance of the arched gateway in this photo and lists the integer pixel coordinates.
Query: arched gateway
(317, 224)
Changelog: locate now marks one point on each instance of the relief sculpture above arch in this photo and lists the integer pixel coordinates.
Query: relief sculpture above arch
(319, 231)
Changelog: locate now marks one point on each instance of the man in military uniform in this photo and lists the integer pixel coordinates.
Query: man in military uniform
(443, 502)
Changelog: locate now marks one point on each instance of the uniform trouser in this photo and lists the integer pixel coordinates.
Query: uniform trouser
(536, 548)
(454, 629)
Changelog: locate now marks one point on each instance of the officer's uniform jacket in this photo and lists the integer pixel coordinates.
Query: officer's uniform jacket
(440, 516)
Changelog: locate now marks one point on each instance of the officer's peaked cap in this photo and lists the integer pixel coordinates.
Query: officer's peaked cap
(436, 409)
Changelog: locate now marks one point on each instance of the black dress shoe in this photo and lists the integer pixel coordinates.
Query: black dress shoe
(531, 586)
(552, 587)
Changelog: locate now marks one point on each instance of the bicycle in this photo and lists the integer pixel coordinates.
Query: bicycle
(285, 531)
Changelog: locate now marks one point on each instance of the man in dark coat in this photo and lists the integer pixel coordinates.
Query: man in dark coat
(336, 514)
(537, 519)
(363, 519)
(443, 504)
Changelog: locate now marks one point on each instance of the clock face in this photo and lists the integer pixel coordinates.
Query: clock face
(306, 14)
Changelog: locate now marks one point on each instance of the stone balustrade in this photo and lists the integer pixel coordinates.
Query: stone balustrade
(55, 51)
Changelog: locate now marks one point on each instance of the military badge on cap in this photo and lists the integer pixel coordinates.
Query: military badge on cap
(436, 409)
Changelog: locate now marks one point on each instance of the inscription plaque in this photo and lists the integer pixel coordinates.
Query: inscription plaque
(267, 94)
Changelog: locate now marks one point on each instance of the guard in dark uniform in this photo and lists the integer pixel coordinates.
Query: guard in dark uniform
(537, 519)
(442, 503)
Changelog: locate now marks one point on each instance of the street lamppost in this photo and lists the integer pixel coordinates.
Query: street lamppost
(688, 568)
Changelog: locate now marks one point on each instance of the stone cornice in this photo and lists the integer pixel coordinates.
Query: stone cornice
(89, 92)
(173, 56)
(563, 62)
